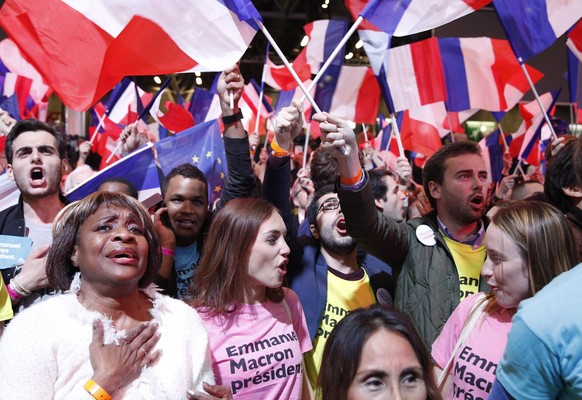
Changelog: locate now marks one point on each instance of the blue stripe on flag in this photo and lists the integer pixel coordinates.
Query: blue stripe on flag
(284, 99)
(526, 24)
(455, 75)
(336, 29)
(385, 14)
(245, 11)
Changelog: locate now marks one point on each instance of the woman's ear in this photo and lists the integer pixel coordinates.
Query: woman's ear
(74, 257)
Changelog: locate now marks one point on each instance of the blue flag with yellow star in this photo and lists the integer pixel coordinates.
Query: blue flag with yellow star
(200, 146)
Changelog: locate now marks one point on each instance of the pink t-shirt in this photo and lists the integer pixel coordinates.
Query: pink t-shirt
(475, 362)
(257, 350)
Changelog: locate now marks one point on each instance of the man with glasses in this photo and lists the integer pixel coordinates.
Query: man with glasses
(326, 271)
(437, 257)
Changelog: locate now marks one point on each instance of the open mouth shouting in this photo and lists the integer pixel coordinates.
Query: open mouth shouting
(37, 176)
(340, 226)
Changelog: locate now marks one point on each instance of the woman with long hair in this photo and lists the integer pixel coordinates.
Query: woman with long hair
(527, 244)
(257, 328)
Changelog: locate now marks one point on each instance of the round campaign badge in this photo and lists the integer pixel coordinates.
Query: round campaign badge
(425, 235)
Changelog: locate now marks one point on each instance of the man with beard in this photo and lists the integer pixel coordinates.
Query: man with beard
(437, 257)
(35, 155)
(328, 273)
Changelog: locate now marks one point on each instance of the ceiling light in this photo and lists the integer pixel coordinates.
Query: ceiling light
(359, 44)
(304, 41)
(157, 79)
(199, 81)
(349, 56)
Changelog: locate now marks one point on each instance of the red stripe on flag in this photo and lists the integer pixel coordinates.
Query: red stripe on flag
(477, 4)
(74, 74)
(419, 136)
(131, 52)
(428, 69)
(368, 99)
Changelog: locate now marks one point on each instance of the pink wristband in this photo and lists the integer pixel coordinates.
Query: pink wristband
(13, 295)
(167, 252)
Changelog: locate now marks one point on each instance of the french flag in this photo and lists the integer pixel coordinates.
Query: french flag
(422, 129)
(205, 105)
(412, 75)
(532, 126)
(128, 99)
(477, 71)
(492, 151)
(175, 119)
(83, 48)
(13, 60)
(406, 17)
(279, 77)
(356, 96)
(574, 40)
(534, 25)
(324, 36)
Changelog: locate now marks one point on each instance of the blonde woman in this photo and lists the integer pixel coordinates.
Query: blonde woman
(528, 244)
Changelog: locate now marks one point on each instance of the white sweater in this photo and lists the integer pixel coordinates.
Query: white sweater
(44, 352)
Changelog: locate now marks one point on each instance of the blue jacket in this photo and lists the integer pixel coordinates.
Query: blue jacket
(307, 269)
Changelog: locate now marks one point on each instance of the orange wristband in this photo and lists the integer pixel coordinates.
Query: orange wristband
(352, 181)
(278, 150)
(96, 391)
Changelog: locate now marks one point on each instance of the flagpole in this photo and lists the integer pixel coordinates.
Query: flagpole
(259, 106)
(505, 145)
(307, 134)
(99, 125)
(535, 92)
(334, 53)
(292, 71)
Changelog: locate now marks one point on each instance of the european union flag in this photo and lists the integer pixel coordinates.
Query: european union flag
(200, 146)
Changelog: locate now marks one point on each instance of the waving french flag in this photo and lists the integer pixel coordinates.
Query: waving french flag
(422, 128)
(412, 75)
(533, 123)
(279, 77)
(477, 72)
(492, 152)
(405, 17)
(324, 36)
(357, 95)
(534, 25)
(82, 48)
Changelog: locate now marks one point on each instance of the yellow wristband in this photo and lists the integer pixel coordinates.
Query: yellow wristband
(96, 391)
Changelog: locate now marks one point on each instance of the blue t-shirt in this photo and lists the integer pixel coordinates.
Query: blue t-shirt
(185, 263)
(543, 357)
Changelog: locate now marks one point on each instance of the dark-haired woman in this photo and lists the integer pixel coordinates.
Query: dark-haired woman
(111, 335)
(257, 329)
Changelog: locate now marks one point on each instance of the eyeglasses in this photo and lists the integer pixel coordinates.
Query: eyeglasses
(329, 205)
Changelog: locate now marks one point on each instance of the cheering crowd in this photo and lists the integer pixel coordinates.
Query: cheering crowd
(338, 279)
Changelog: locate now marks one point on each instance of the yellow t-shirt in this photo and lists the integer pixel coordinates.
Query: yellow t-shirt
(342, 296)
(5, 302)
(469, 262)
